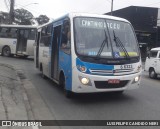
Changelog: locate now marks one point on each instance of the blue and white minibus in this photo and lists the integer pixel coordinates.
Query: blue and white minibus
(87, 53)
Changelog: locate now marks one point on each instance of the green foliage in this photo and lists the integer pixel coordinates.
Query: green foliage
(42, 19)
(22, 17)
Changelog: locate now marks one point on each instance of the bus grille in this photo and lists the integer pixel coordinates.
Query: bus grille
(106, 85)
(115, 72)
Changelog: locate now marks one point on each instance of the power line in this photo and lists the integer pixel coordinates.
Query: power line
(31, 10)
(27, 8)
(9, 2)
(6, 5)
(153, 3)
(109, 1)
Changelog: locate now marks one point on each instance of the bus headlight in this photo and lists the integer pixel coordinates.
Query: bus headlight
(82, 68)
(85, 81)
(136, 79)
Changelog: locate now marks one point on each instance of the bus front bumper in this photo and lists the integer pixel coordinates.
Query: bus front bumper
(105, 83)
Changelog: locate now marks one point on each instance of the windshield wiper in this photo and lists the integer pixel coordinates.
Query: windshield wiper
(105, 41)
(120, 44)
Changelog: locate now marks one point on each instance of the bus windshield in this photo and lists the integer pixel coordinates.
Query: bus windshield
(104, 38)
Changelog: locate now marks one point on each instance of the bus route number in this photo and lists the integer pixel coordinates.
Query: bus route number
(126, 66)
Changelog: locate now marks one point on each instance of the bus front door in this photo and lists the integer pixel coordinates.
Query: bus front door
(55, 52)
(22, 41)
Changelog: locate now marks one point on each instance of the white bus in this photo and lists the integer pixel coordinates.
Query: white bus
(17, 40)
(88, 53)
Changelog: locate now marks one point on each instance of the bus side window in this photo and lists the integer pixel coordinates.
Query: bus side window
(49, 29)
(26, 34)
(32, 34)
(3, 33)
(13, 33)
(66, 37)
(46, 36)
(43, 33)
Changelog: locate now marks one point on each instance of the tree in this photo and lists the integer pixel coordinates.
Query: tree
(22, 17)
(4, 18)
(42, 19)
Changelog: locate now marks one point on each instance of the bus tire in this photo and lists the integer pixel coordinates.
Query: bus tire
(152, 73)
(25, 56)
(6, 51)
(67, 93)
(42, 74)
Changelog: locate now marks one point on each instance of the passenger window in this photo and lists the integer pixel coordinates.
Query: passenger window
(66, 37)
(46, 36)
(32, 34)
(26, 34)
(13, 32)
(49, 29)
(3, 32)
(43, 31)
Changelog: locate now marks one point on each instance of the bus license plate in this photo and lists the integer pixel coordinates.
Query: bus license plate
(113, 81)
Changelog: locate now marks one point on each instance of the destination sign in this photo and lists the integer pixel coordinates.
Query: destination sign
(101, 24)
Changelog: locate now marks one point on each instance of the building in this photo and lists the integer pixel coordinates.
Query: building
(146, 22)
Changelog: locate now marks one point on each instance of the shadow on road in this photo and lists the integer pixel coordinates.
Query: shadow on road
(30, 58)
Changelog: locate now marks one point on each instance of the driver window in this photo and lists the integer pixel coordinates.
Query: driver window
(66, 37)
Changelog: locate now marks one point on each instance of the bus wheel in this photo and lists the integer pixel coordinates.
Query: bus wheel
(152, 73)
(67, 93)
(42, 75)
(25, 56)
(6, 51)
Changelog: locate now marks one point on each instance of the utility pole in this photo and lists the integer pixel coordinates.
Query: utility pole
(11, 13)
(112, 7)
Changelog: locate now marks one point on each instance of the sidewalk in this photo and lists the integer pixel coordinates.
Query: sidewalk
(19, 99)
(12, 106)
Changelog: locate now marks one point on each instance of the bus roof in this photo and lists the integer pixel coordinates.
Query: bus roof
(72, 15)
(98, 16)
(18, 26)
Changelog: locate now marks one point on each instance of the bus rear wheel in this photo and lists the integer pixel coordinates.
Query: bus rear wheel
(6, 51)
(42, 73)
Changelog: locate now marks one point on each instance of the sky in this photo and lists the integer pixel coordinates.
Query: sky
(57, 8)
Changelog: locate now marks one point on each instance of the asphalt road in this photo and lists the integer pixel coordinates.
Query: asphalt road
(139, 104)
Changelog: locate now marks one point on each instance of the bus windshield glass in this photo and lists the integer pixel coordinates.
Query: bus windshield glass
(104, 38)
